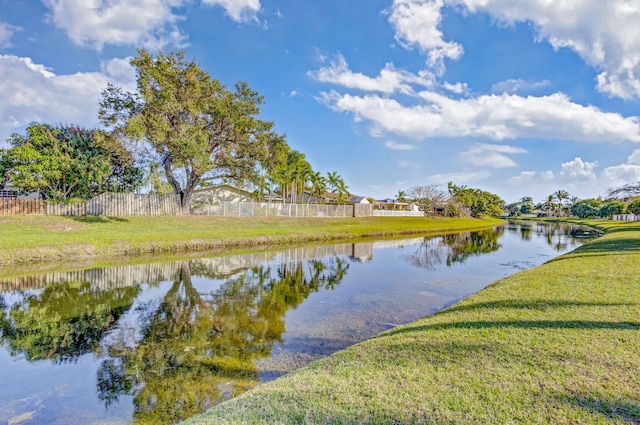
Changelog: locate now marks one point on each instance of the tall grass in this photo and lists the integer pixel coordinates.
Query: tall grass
(557, 344)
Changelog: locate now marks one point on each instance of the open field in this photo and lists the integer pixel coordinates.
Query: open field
(25, 240)
(557, 344)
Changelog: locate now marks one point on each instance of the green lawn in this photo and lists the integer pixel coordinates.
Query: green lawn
(557, 344)
(28, 240)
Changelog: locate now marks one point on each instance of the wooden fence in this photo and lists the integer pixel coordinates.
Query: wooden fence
(109, 204)
(13, 206)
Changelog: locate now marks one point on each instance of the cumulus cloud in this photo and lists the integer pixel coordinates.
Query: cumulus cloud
(417, 23)
(579, 177)
(399, 146)
(579, 169)
(144, 23)
(239, 10)
(94, 23)
(490, 116)
(619, 175)
(482, 154)
(605, 34)
(31, 92)
(389, 81)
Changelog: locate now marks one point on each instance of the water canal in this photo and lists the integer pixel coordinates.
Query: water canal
(159, 342)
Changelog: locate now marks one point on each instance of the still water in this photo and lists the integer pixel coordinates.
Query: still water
(159, 342)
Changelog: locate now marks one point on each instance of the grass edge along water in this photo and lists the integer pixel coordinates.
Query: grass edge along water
(556, 344)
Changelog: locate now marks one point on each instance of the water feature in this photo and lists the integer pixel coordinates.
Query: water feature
(158, 342)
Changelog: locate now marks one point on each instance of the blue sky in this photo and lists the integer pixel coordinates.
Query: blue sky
(520, 98)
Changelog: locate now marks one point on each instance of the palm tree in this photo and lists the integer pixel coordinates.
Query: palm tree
(561, 196)
(401, 196)
(318, 185)
(342, 190)
(550, 205)
(333, 180)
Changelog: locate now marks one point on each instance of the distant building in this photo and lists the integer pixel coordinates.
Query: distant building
(8, 191)
(393, 205)
(220, 193)
(626, 217)
(331, 198)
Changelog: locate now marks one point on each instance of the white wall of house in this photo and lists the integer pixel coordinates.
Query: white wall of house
(626, 217)
(216, 194)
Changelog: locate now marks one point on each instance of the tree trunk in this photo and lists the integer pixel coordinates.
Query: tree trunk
(185, 201)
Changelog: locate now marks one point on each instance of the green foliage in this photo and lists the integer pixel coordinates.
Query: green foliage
(556, 344)
(63, 322)
(587, 208)
(478, 202)
(68, 162)
(612, 207)
(199, 129)
(634, 206)
(199, 349)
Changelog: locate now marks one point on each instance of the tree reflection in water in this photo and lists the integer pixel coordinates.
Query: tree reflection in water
(198, 349)
(455, 248)
(63, 321)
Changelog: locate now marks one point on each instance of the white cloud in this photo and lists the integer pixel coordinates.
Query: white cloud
(579, 177)
(416, 23)
(619, 175)
(389, 81)
(143, 23)
(482, 154)
(491, 116)
(94, 23)
(31, 92)
(634, 158)
(457, 88)
(239, 10)
(514, 85)
(579, 169)
(6, 32)
(399, 146)
(605, 34)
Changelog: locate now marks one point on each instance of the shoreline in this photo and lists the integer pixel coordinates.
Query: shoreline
(559, 343)
(29, 242)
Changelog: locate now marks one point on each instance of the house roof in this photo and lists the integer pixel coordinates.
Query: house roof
(223, 186)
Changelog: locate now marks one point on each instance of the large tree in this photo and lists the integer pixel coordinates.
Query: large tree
(66, 162)
(479, 202)
(199, 129)
(427, 197)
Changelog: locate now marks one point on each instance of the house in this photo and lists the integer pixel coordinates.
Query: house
(8, 191)
(392, 205)
(331, 198)
(214, 195)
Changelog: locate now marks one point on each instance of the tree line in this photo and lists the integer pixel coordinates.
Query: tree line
(179, 130)
(458, 201)
(622, 200)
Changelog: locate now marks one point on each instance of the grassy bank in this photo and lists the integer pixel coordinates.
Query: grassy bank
(558, 344)
(40, 239)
